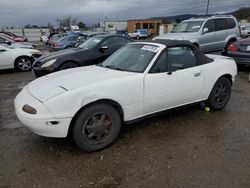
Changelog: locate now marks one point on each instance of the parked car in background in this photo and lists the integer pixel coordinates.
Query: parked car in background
(56, 37)
(46, 39)
(93, 34)
(240, 51)
(18, 58)
(245, 31)
(139, 34)
(210, 34)
(93, 51)
(8, 42)
(90, 104)
(65, 42)
(80, 40)
(122, 32)
(15, 37)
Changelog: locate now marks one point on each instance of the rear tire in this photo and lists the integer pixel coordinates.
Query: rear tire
(68, 65)
(220, 94)
(96, 127)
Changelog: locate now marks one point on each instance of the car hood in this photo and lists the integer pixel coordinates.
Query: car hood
(54, 84)
(177, 36)
(57, 55)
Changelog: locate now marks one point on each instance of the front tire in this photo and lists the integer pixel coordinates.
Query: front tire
(23, 63)
(96, 127)
(220, 94)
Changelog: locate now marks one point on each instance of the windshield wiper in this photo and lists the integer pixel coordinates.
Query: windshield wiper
(114, 67)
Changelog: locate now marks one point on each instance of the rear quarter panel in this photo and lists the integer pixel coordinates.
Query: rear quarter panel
(213, 71)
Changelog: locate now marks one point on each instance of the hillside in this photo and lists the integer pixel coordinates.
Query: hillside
(242, 13)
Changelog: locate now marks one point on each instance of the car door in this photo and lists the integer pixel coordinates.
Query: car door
(221, 32)
(209, 39)
(174, 80)
(6, 60)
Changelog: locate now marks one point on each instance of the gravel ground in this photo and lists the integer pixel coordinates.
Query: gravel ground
(184, 148)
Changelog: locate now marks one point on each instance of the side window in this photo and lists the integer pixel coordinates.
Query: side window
(114, 42)
(181, 58)
(210, 25)
(220, 24)
(161, 64)
(230, 23)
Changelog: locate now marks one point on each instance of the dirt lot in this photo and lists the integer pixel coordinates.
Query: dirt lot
(185, 148)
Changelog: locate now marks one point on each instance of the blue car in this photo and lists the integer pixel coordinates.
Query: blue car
(65, 42)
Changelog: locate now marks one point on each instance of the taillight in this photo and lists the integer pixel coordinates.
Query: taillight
(55, 44)
(232, 48)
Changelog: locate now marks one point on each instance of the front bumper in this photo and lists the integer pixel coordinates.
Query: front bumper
(39, 72)
(44, 122)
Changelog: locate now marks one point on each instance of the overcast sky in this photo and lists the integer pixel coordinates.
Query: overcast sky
(22, 12)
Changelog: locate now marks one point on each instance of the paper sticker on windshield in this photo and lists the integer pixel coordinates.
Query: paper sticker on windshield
(97, 40)
(150, 48)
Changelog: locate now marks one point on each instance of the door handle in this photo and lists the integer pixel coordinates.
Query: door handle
(197, 74)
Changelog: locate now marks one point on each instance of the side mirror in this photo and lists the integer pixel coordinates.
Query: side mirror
(205, 30)
(7, 42)
(103, 48)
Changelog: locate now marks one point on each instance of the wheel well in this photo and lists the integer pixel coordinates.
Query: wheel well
(232, 40)
(110, 102)
(68, 46)
(229, 77)
(70, 61)
(197, 45)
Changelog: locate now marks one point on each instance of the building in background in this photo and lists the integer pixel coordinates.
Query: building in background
(113, 26)
(152, 25)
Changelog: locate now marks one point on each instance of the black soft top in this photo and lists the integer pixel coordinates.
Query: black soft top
(202, 59)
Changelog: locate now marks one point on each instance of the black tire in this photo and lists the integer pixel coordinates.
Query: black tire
(96, 127)
(68, 65)
(23, 63)
(137, 37)
(220, 94)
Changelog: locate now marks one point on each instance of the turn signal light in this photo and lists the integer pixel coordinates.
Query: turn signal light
(28, 109)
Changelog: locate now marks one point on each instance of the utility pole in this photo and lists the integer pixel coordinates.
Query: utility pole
(207, 7)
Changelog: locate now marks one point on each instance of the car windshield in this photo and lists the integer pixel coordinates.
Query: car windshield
(131, 58)
(190, 26)
(90, 43)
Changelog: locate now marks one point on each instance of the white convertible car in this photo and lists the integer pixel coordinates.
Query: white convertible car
(91, 103)
(18, 58)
